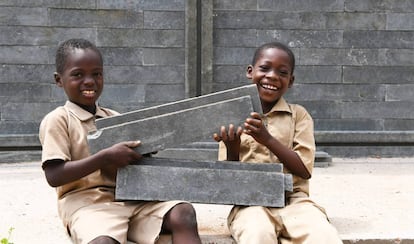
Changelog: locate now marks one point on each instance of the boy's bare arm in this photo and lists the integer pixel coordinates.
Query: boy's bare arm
(255, 128)
(119, 155)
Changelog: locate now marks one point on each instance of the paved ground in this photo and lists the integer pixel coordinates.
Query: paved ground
(365, 198)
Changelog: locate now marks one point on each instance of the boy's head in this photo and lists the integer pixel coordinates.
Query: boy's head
(79, 71)
(272, 71)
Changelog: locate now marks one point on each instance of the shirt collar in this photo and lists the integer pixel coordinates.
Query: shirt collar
(81, 113)
(281, 106)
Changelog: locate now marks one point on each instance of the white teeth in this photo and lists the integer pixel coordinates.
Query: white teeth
(88, 92)
(270, 87)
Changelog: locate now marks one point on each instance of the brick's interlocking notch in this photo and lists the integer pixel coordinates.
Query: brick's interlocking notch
(175, 128)
(232, 183)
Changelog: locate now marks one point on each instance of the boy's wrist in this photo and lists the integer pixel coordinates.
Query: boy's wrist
(233, 156)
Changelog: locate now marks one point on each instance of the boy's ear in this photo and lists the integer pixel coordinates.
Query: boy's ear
(292, 79)
(58, 79)
(249, 72)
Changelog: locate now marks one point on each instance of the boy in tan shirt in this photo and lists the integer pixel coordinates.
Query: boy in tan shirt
(284, 134)
(85, 183)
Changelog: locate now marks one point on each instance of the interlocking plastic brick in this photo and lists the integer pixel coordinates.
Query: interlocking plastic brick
(248, 90)
(233, 183)
(179, 127)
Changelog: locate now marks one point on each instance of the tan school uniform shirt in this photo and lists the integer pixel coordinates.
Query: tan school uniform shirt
(292, 125)
(63, 135)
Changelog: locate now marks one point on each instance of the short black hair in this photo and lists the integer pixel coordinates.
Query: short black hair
(277, 45)
(67, 46)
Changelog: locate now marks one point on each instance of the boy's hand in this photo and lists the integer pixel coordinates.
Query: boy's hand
(230, 138)
(122, 154)
(254, 127)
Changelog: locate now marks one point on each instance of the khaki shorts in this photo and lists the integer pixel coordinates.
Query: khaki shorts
(301, 221)
(138, 222)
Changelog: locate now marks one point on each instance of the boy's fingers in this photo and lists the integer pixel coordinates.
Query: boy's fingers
(239, 131)
(132, 144)
(231, 132)
(223, 133)
(256, 122)
(255, 115)
(216, 137)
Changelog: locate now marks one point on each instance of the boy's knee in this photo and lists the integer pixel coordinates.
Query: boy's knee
(255, 235)
(253, 225)
(103, 240)
(324, 234)
(182, 215)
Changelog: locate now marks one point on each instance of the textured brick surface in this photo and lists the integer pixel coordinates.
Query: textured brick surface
(209, 151)
(96, 18)
(302, 5)
(166, 130)
(24, 55)
(303, 38)
(247, 90)
(16, 16)
(204, 182)
(153, 45)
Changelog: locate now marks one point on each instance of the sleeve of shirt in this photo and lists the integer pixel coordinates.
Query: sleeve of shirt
(222, 152)
(53, 135)
(304, 140)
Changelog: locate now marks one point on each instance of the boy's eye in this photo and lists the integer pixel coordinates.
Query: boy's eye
(263, 68)
(97, 74)
(77, 75)
(283, 73)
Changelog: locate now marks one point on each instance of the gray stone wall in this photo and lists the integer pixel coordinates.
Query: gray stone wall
(143, 44)
(355, 58)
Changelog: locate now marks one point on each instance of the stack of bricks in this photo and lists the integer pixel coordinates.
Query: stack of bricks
(200, 181)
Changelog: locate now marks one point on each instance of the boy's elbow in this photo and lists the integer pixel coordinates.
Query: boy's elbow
(51, 173)
(52, 184)
(52, 181)
(306, 175)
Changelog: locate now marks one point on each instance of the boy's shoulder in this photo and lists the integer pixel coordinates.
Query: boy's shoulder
(58, 112)
(299, 110)
(294, 108)
(54, 118)
(297, 107)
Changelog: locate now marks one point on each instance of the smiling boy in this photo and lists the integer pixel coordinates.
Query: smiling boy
(85, 183)
(283, 134)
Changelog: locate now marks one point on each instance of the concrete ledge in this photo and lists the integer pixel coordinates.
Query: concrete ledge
(366, 143)
(26, 147)
(17, 142)
(344, 138)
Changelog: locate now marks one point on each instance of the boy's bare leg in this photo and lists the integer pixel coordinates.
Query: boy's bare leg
(182, 223)
(103, 240)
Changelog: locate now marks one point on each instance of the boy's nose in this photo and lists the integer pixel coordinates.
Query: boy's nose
(272, 74)
(89, 80)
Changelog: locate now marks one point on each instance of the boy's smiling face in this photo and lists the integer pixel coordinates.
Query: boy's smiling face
(272, 73)
(82, 77)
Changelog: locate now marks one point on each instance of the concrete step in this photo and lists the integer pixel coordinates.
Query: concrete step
(366, 143)
(27, 148)
(346, 144)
